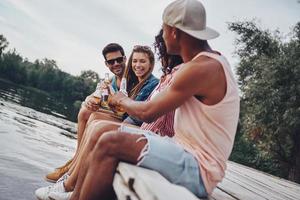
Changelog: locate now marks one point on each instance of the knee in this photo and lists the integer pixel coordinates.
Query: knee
(92, 117)
(97, 129)
(107, 144)
(93, 137)
(84, 114)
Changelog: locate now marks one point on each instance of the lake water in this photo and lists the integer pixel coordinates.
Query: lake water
(32, 143)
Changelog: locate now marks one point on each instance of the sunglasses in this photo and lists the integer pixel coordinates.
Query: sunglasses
(112, 61)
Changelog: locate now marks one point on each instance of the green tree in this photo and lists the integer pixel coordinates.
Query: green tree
(46, 75)
(3, 44)
(90, 75)
(269, 76)
(90, 79)
(11, 67)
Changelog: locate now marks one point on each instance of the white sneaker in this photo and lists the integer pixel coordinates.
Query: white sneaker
(43, 193)
(60, 195)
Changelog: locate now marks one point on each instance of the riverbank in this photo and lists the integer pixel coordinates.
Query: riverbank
(25, 87)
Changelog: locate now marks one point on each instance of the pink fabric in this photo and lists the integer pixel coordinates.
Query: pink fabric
(208, 131)
(164, 125)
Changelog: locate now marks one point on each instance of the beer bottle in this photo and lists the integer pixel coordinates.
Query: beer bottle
(105, 92)
(97, 94)
(123, 88)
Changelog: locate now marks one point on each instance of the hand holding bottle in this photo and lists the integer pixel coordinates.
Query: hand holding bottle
(105, 92)
(92, 103)
(114, 103)
(123, 89)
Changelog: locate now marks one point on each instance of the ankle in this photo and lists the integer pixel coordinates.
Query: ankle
(75, 195)
(68, 187)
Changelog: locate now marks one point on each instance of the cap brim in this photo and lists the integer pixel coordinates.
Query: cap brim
(206, 34)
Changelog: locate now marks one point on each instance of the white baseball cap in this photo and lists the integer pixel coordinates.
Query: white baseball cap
(190, 17)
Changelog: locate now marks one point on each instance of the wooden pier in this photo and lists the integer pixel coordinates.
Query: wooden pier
(240, 182)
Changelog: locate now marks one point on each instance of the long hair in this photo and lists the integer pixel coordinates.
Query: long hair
(133, 84)
(168, 61)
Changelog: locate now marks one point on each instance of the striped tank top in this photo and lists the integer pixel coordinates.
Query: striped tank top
(164, 125)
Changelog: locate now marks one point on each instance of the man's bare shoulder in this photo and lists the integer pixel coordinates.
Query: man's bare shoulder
(202, 67)
(199, 77)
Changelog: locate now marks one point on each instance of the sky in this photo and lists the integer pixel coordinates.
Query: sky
(74, 32)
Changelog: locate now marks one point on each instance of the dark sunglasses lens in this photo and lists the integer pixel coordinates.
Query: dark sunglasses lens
(119, 60)
(112, 61)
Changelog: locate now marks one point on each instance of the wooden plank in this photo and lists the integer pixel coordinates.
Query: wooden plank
(278, 184)
(122, 190)
(245, 183)
(265, 185)
(150, 185)
(254, 190)
(130, 177)
(240, 182)
(260, 188)
(238, 191)
(218, 194)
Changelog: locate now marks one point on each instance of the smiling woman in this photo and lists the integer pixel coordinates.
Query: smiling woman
(140, 66)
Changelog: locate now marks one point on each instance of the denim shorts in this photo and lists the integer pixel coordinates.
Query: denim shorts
(165, 156)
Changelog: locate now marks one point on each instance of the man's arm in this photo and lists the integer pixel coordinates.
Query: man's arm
(196, 78)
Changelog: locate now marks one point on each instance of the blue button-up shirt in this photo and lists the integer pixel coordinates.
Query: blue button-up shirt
(144, 93)
(114, 83)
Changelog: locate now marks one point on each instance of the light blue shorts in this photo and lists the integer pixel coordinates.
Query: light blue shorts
(165, 156)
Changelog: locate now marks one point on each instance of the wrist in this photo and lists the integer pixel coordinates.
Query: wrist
(121, 101)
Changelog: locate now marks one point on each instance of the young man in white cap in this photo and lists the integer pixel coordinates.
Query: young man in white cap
(205, 96)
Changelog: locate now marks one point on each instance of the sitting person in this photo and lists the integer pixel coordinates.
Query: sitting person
(206, 98)
(140, 66)
(115, 60)
(140, 81)
(163, 125)
(67, 183)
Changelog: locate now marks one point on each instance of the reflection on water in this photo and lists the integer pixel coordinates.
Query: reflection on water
(37, 100)
(32, 143)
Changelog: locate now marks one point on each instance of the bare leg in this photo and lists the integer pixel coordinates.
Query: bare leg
(81, 177)
(81, 148)
(109, 150)
(86, 117)
(82, 118)
(95, 130)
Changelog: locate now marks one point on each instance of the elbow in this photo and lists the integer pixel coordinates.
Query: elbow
(144, 112)
(147, 117)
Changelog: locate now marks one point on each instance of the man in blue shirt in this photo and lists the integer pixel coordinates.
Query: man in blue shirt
(115, 60)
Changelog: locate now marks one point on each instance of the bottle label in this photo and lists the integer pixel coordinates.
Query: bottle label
(97, 92)
(123, 86)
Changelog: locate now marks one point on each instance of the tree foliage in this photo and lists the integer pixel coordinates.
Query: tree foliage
(3, 44)
(269, 76)
(45, 75)
(90, 75)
